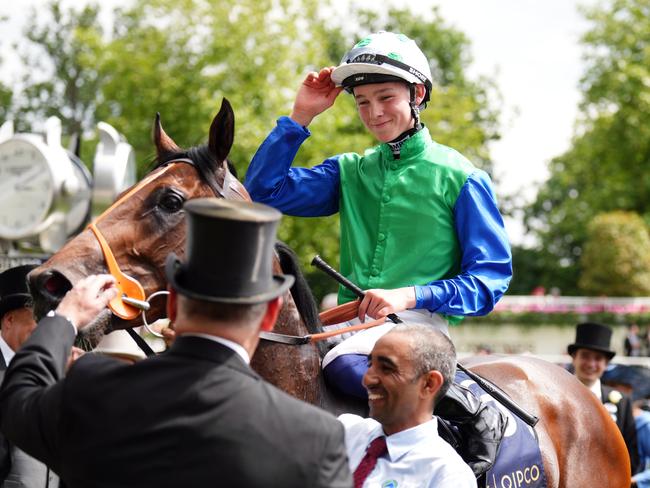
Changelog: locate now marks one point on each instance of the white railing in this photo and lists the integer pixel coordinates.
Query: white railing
(561, 304)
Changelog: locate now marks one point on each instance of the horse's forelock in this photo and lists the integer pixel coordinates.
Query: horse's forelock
(205, 163)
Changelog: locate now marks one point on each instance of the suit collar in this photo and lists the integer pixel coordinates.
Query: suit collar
(208, 350)
(5, 352)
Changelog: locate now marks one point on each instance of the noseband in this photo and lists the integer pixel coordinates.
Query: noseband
(131, 299)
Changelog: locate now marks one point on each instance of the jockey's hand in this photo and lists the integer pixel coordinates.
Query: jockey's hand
(87, 299)
(316, 94)
(379, 303)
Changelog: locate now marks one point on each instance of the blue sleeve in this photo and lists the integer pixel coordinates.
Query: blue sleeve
(303, 192)
(486, 260)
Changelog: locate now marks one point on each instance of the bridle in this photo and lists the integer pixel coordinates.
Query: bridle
(131, 300)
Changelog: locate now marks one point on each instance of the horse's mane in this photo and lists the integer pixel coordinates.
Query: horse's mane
(202, 159)
(300, 291)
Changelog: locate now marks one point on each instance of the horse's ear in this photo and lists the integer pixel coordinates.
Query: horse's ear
(164, 144)
(222, 131)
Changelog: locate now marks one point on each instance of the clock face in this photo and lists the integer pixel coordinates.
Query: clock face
(26, 188)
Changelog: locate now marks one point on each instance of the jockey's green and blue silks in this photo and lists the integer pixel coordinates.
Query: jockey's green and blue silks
(428, 219)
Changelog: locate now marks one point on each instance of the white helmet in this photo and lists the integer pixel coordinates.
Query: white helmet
(383, 57)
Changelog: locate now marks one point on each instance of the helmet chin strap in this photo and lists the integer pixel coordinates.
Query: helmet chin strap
(396, 144)
(415, 109)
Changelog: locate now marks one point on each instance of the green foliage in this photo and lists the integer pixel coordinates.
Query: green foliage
(5, 102)
(616, 258)
(180, 58)
(606, 167)
(61, 78)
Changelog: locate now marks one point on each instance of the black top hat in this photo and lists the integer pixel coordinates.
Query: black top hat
(229, 252)
(596, 337)
(13, 288)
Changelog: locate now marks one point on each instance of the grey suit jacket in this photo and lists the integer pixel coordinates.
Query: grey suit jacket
(195, 416)
(17, 468)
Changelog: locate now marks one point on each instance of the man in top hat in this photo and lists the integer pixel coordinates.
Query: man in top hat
(590, 355)
(16, 324)
(16, 317)
(196, 415)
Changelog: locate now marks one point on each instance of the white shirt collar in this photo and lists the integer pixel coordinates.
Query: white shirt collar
(7, 352)
(596, 390)
(402, 442)
(238, 348)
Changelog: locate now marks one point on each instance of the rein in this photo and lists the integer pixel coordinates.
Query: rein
(309, 338)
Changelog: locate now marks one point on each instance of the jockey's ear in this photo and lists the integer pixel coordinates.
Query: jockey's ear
(271, 315)
(420, 92)
(165, 146)
(222, 131)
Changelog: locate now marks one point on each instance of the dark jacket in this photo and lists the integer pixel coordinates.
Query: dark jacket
(194, 416)
(621, 412)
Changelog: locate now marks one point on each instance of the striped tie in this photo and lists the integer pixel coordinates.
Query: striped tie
(376, 449)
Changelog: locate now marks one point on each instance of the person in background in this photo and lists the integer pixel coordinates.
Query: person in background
(409, 370)
(641, 411)
(632, 344)
(590, 355)
(17, 468)
(195, 416)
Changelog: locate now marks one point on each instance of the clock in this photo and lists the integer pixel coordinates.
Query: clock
(26, 187)
(46, 191)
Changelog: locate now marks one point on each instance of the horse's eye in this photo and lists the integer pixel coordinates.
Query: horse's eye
(171, 202)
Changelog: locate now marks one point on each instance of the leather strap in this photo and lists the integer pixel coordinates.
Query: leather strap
(125, 284)
(340, 313)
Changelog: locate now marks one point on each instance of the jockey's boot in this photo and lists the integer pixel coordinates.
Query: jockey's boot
(481, 426)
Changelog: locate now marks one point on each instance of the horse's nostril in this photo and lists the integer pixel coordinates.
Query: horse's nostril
(52, 284)
(57, 285)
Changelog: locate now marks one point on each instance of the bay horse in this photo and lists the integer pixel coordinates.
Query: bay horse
(580, 445)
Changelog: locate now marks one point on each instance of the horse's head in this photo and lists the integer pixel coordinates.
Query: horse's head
(146, 222)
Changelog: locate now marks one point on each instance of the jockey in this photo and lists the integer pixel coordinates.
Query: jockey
(420, 228)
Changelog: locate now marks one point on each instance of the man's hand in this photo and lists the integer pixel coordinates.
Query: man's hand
(379, 303)
(316, 94)
(87, 299)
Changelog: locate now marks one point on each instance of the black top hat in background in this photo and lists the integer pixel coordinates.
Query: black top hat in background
(228, 254)
(596, 337)
(14, 292)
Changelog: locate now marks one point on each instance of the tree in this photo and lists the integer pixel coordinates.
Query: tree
(616, 258)
(61, 77)
(5, 103)
(605, 169)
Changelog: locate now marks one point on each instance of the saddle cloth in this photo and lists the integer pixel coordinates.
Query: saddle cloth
(519, 460)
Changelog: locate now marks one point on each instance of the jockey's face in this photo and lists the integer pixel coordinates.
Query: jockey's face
(384, 109)
(396, 396)
(589, 365)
